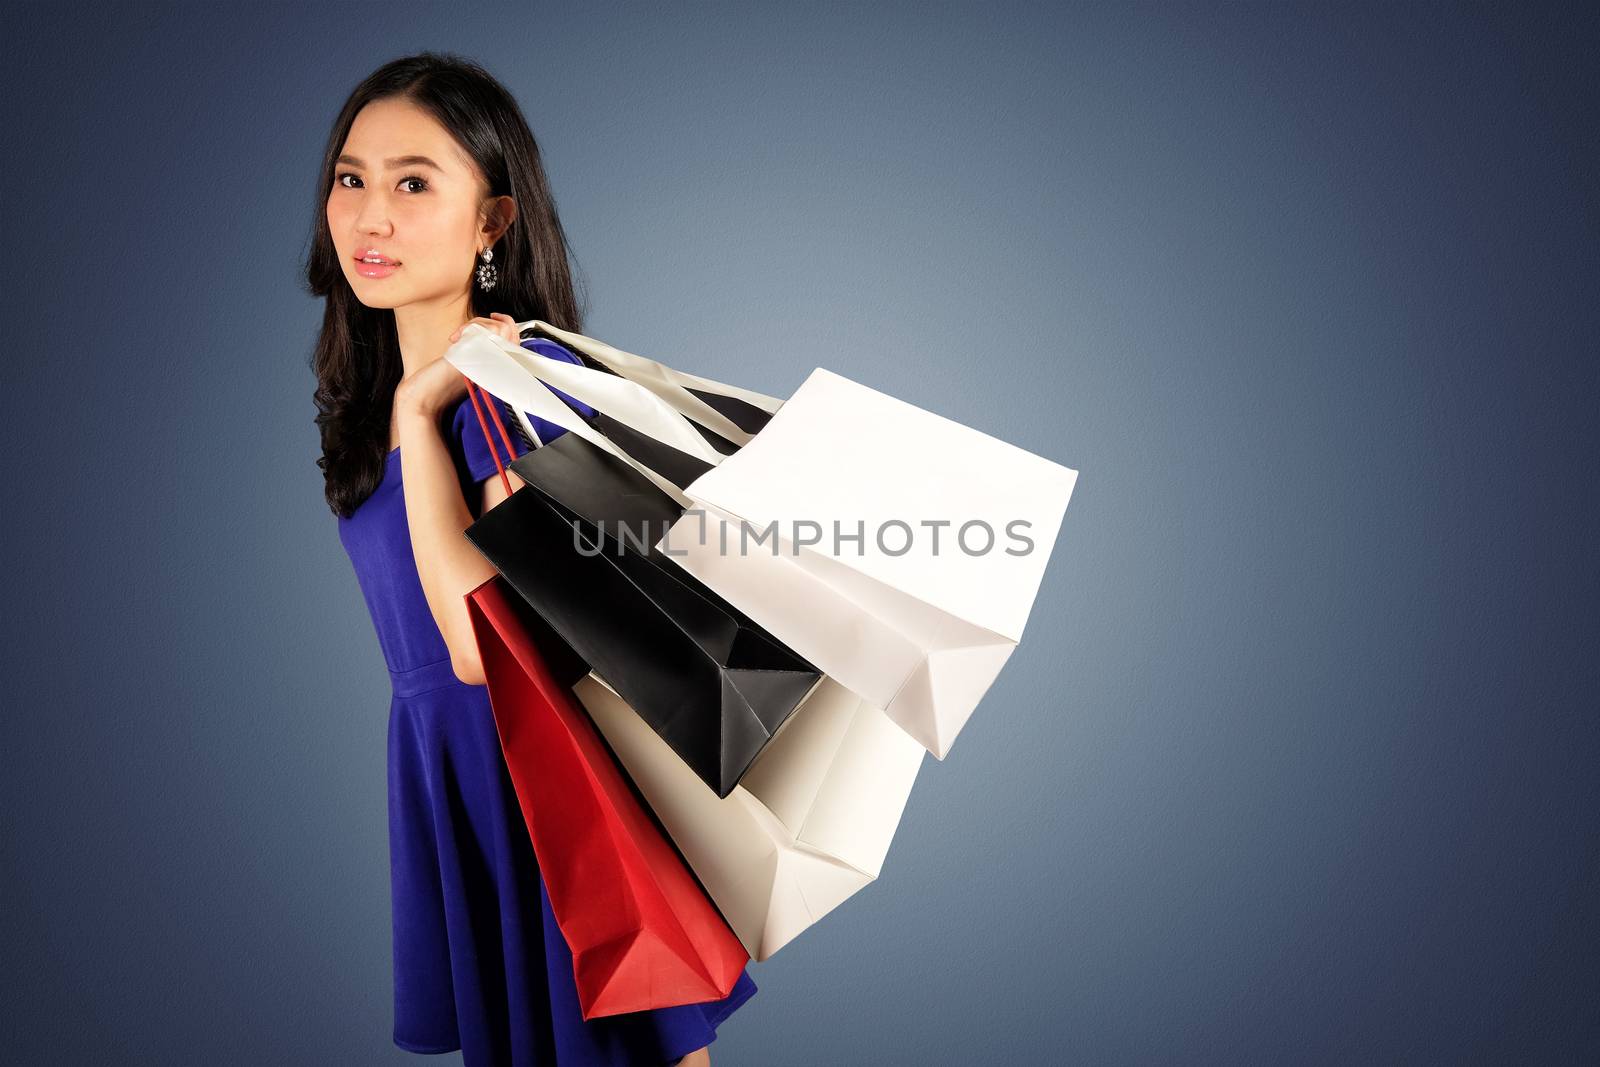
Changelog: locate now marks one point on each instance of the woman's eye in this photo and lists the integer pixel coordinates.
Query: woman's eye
(340, 180)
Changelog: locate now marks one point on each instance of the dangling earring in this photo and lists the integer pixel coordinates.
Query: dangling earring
(488, 273)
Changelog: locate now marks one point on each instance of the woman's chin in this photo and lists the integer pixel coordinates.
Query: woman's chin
(378, 296)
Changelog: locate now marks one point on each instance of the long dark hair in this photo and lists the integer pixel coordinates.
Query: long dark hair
(357, 356)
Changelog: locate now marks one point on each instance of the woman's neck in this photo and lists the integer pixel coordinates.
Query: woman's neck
(423, 329)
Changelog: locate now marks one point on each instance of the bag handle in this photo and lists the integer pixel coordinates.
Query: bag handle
(472, 392)
(497, 364)
(524, 379)
(667, 383)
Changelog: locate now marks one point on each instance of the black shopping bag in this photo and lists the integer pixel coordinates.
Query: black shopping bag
(577, 546)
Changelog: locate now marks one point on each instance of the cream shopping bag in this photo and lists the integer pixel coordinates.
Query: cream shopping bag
(808, 825)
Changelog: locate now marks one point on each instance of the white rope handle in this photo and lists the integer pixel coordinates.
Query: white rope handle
(669, 384)
(519, 376)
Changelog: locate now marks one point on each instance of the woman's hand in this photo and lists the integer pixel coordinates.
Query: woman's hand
(436, 387)
(498, 321)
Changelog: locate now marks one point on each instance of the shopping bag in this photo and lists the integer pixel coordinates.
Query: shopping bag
(807, 827)
(642, 932)
(575, 544)
(852, 528)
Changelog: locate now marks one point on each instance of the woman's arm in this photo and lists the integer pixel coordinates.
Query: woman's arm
(447, 563)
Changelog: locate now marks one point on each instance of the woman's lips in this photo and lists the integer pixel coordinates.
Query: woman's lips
(375, 270)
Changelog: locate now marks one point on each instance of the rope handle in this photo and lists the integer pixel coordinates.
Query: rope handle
(472, 392)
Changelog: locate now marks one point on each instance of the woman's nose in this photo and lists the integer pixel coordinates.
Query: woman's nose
(373, 217)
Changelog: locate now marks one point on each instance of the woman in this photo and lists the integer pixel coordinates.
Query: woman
(436, 209)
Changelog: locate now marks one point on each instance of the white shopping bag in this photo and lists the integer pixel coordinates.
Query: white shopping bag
(914, 616)
(809, 823)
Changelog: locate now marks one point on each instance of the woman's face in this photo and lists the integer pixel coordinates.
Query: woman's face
(404, 191)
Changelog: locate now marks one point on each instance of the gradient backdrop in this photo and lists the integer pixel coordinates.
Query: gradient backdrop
(1297, 761)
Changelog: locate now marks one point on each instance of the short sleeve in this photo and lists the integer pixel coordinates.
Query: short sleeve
(471, 448)
(547, 431)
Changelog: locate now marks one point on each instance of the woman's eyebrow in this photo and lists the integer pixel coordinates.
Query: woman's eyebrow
(396, 162)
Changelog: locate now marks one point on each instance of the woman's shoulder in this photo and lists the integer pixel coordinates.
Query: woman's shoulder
(474, 452)
(546, 347)
(472, 449)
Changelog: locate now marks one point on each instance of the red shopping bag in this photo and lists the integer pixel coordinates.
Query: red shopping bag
(642, 931)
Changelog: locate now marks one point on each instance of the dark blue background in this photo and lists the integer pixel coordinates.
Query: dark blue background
(1297, 761)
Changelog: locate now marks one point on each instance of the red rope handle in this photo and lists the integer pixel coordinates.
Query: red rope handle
(472, 391)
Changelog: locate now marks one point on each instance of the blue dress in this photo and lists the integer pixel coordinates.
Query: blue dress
(479, 962)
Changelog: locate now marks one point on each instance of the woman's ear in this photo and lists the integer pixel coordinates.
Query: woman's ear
(498, 215)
